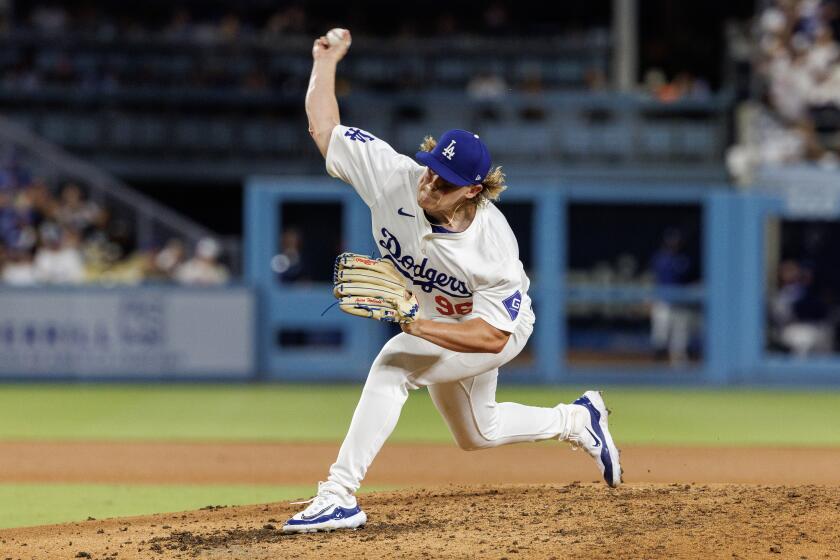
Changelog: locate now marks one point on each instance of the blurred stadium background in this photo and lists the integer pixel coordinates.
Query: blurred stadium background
(164, 216)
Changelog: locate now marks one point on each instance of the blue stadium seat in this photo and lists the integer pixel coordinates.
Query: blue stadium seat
(85, 132)
(287, 137)
(188, 134)
(449, 70)
(613, 139)
(376, 69)
(573, 137)
(55, 127)
(120, 132)
(272, 137)
(528, 141)
(221, 135)
(256, 137)
(149, 132)
(409, 137)
(698, 141)
(656, 140)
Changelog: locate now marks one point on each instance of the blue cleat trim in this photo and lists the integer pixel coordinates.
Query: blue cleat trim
(596, 423)
(337, 513)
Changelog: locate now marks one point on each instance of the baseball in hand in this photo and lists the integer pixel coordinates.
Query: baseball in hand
(335, 36)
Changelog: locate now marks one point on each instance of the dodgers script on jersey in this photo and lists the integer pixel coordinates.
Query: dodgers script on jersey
(455, 276)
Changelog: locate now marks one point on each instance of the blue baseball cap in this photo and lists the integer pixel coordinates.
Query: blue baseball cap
(460, 157)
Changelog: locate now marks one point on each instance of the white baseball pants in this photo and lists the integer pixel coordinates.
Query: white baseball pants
(463, 388)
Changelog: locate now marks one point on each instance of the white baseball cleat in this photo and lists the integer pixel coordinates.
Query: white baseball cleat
(333, 508)
(586, 427)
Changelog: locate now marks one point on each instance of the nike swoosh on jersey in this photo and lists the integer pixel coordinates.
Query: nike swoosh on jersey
(402, 212)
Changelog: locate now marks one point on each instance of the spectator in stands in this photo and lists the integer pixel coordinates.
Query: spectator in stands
(49, 18)
(487, 86)
(671, 322)
(653, 82)
(103, 259)
(285, 21)
(180, 24)
(230, 27)
(496, 19)
(59, 259)
(170, 258)
(673, 90)
(75, 212)
(684, 86)
(74, 239)
(289, 264)
(446, 24)
(39, 200)
(18, 269)
(595, 79)
(487, 89)
(203, 268)
(830, 14)
(533, 89)
(199, 23)
(255, 81)
(799, 58)
(9, 220)
(824, 50)
(799, 319)
(134, 269)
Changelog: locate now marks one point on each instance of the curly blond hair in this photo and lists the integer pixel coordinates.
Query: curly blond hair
(493, 183)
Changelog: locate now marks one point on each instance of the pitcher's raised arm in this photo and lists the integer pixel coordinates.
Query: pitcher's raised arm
(321, 104)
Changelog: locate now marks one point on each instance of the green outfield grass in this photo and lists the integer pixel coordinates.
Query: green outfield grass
(322, 413)
(23, 505)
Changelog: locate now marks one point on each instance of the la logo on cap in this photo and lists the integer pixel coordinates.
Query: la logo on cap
(449, 151)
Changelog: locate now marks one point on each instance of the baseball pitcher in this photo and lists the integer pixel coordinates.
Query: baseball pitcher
(449, 273)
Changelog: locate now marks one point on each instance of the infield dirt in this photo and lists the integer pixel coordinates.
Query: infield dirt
(672, 506)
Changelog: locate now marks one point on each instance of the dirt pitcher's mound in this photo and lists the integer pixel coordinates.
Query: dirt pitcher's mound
(558, 521)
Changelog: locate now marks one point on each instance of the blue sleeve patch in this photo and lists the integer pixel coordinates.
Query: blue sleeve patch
(512, 304)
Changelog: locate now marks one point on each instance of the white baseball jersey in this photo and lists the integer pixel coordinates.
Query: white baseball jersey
(455, 276)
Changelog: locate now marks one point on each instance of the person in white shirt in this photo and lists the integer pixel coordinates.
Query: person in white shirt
(18, 270)
(59, 260)
(435, 220)
(204, 268)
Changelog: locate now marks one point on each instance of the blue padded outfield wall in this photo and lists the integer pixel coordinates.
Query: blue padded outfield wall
(731, 295)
